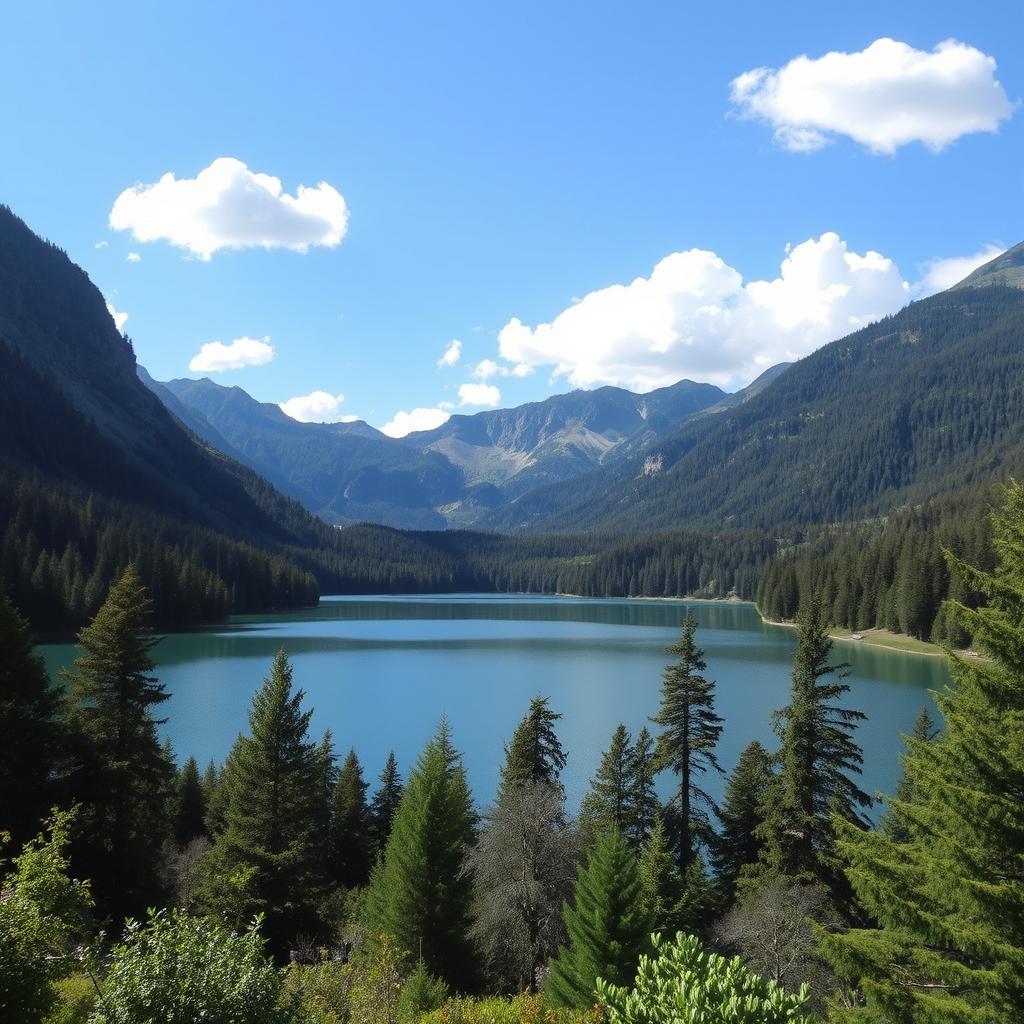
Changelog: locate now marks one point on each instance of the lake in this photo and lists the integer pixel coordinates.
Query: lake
(381, 671)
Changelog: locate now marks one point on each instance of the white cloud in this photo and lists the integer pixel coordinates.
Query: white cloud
(119, 318)
(944, 273)
(403, 423)
(133, 257)
(216, 357)
(452, 354)
(227, 206)
(316, 407)
(694, 317)
(479, 394)
(101, 245)
(488, 368)
(883, 97)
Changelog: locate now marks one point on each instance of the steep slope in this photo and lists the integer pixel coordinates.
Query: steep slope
(1007, 269)
(919, 404)
(565, 435)
(343, 472)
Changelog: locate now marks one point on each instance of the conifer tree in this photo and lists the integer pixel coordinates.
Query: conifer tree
(274, 791)
(534, 753)
(608, 925)
(609, 802)
(384, 804)
(645, 807)
(737, 845)
(190, 805)
(660, 881)
(818, 756)
(33, 732)
(419, 893)
(690, 729)
(350, 826)
(949, 900)
(122, 775)
(896, 825)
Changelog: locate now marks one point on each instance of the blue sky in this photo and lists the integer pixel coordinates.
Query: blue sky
(498, 164)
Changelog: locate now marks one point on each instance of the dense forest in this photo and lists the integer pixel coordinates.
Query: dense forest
(294, 893)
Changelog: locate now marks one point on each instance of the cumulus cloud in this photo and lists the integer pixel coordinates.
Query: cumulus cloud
(101, 245)
(944, 273)
(488, 368)
(479, 394)
(119, 318)
(883, 97)
(403, 423)
(695, 317)
(316, 407)
(216, 357)
(227, 206)
(452, 354)
(133, 257)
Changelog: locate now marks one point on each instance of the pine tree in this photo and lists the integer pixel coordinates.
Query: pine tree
(690, 729)
(33, 732)
(741, 815)
(645, 807)
(350, 826)
(190, 805)
(534, 754)
(609, 802)
(274, 792)
(419, 893)
(818, 756)
(896, 825)
(121, 776)
(949, 901)
(660, 881)
(384, 804)
(608, 926)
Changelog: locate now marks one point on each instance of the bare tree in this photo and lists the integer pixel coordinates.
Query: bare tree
(771, 930)
(523, 868)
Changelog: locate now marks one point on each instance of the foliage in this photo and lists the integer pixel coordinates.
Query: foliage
(681, 981)
(689, 733)
(419, 893)
(350, 826)
(41, 917)
(122, 775)
(522, 866)
(268, 857)
(521, 1009)
(947, 894)
(385, 803)
(178, 969)
(421, 994)
(534, 753)
(608, 925)
(34, 737)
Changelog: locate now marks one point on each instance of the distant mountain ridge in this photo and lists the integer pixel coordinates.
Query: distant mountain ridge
(449, 476)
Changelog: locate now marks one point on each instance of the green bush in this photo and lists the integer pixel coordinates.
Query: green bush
(682, 981)
(322, 992)
(522, 1009)
(178, 969)
(76, 997)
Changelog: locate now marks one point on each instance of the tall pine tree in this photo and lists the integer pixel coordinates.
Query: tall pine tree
(690, 729)
(817, 762)
(274, 791)
(384, 804)
(419, 893)
(121, 776)
(948, 896)
(33, 732)
(350, 826)
(609, 926)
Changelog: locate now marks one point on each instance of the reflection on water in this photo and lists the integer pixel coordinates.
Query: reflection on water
(381, 672)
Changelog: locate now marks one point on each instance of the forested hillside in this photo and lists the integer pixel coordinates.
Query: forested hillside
(923, 403)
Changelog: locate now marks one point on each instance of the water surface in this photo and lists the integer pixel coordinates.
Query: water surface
(381, 672)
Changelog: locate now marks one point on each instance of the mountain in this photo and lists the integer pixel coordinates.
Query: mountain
(350, 472)
(342, 472)
(920, 404)
(1007, 269)
(95, 472)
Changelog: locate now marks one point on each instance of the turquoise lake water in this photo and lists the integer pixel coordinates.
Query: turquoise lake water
(381, 672)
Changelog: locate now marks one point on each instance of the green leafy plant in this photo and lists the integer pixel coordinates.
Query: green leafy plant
(682, 981)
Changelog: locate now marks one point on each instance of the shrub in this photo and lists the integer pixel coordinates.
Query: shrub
(682, 981)
(522, 1009)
